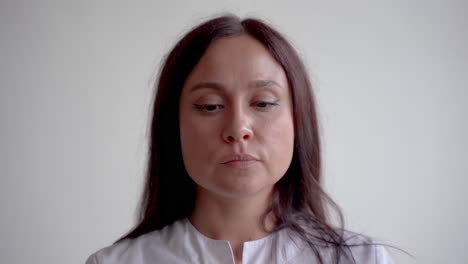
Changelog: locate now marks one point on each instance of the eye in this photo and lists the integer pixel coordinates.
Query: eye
(263, 106)
(208, 107)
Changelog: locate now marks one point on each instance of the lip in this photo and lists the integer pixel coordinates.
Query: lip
(238, 157)
(239, 160)
(240, 164)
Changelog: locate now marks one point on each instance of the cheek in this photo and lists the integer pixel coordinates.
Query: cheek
(279, 137)
(197, 140)
(280, 131)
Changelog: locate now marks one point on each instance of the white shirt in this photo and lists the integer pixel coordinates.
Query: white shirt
(180, 242)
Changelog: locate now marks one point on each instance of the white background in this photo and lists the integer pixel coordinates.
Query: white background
(76, 85)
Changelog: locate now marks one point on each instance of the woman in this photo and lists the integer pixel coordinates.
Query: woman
(235, 168)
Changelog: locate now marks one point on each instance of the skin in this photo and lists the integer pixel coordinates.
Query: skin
(247, 111)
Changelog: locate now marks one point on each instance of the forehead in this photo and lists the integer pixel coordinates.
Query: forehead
(237, 58)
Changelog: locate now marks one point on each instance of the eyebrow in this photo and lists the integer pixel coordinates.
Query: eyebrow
(219, 86)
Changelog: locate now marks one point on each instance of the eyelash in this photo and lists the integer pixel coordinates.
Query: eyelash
(204, 107)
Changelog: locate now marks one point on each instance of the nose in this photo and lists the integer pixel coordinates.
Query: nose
(237, 128)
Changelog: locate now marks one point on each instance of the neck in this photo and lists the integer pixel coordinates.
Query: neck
(233, 219)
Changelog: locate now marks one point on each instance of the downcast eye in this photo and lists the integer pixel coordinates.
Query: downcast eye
(265, 105)
(208, 107)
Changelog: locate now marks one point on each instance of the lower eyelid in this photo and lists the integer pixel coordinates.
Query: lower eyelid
(203, 107)
(272, 103)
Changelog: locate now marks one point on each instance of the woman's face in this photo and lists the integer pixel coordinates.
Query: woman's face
(235, 118)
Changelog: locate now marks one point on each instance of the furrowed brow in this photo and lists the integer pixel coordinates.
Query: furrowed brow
(208, 85)
(218, 86)
(263, 83)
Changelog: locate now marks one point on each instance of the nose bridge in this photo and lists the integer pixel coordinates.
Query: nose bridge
(238, 123)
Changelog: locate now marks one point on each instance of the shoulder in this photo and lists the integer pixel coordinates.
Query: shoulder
(365, 249)
(358, 249)
(155, 245)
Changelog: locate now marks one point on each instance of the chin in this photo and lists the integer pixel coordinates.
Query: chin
(242, 191)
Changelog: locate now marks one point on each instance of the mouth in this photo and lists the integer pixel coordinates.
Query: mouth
(240, 164)
(239, 161)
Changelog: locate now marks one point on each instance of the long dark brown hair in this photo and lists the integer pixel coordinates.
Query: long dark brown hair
(299, 202)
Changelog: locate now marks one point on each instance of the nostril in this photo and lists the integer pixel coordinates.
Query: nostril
(230, 138)
(246, 137)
